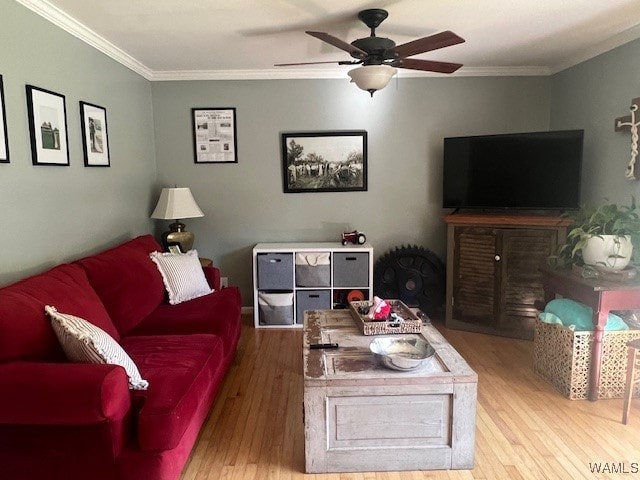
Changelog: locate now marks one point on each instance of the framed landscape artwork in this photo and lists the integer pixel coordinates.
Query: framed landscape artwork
(324, 161)
(4, 140)
(47, 127)
(95, 139)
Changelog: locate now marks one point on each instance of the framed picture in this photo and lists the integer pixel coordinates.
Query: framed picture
(214, 135)
(4, 140)
(47, 127)
(95, 139)
(174, 247)
(324, 161)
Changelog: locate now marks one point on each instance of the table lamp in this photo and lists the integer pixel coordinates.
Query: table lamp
(175, 204)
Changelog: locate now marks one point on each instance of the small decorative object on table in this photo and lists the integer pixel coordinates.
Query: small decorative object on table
(379, 311)
(400, 320)
(354, 237)
(402, 353)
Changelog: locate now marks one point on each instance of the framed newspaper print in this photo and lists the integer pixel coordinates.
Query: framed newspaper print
(214, 135)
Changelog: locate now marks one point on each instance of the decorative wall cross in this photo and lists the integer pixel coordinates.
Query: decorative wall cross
(630, 122)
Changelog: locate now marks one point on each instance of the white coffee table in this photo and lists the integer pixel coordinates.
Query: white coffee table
(360, 416)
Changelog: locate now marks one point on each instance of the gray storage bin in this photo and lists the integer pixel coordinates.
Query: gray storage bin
(313, 269)
(351, 269)
(276, 308)
(311, 300)
(275, 271)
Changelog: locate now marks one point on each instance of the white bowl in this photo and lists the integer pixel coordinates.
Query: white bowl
(403, 353)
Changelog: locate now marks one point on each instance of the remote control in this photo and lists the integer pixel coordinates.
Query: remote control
(316, 346)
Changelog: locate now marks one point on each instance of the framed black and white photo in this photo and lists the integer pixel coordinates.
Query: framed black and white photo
(95, 139)
(47, 127)
(4, 140)
(214, 135)
(324, 161)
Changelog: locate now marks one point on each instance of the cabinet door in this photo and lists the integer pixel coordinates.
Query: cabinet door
(524, 252)
(474, 291)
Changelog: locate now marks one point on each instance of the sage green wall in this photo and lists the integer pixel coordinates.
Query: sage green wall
(52, 214)
(406, 122)
(590, 96)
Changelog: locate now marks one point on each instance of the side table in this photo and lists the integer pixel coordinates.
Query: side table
(206, 262)
(599, 294)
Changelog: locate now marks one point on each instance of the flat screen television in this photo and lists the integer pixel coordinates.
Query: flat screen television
(526, 171)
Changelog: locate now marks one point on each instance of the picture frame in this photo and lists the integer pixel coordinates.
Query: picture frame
(326, 161)
(4, 139)
(48, 132)
(174, 247)
(214, 135)
(95, 135)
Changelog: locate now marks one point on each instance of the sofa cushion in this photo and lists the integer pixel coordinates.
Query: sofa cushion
(85, 343)
(217, 313)
(26, 330)
(127, 281)
(182, 275)
(184, 372)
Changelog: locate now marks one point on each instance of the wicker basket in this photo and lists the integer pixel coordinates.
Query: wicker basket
(563, 357)
(411, 324)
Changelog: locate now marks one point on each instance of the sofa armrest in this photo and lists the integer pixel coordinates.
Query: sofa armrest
(36, 393)
(63, 420)
(212, 274)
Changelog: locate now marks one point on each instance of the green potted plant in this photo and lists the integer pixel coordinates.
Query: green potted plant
(602, 237)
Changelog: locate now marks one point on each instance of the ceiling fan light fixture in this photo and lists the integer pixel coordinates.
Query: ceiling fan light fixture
(372, 77)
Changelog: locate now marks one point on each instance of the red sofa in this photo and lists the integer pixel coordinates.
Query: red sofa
(72, 421)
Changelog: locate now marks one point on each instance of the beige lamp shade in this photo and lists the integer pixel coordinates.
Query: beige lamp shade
(372, 77)
(175, 204)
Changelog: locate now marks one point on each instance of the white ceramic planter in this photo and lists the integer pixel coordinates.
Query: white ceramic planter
(608, 252)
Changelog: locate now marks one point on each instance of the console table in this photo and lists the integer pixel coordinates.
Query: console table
(493, 270)
(599, 294)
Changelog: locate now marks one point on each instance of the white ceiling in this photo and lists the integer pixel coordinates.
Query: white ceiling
(234, 39)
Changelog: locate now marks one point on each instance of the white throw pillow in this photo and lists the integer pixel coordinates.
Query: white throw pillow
(83, 342)
(182, 275)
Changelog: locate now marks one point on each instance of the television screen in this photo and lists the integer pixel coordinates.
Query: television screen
(538, 170)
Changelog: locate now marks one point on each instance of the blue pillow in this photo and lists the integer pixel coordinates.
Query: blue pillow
(571, 313)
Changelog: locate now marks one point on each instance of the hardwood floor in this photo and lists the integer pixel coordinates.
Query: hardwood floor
(525, 430)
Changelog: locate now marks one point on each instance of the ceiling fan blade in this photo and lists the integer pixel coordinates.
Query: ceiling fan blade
(427, 44)
(426, 65)
(339, 62)
(336, 42)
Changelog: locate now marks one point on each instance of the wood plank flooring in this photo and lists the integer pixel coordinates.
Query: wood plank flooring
(525, 430)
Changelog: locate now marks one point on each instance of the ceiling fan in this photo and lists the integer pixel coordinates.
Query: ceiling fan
(378, 55)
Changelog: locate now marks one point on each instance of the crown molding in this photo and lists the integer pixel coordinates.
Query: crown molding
(78, 30)
(593, 51)
(335, 73)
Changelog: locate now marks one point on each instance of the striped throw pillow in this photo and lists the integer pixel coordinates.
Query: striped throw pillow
(182, 275)
(83, 342)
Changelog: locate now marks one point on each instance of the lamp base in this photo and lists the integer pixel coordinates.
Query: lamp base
(177, 234)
